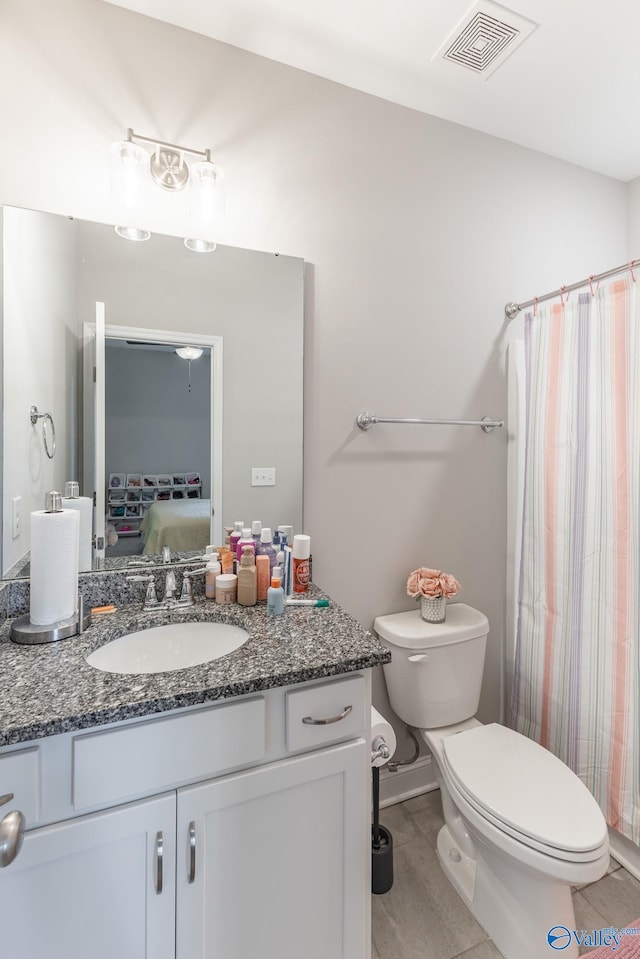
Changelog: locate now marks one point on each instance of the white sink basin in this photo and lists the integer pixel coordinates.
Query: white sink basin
(164, 648)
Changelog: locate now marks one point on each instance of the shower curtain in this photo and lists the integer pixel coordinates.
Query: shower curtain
(576, 683)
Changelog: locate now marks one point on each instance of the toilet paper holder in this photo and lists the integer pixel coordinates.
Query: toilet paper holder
(379, 749)
(27, 633)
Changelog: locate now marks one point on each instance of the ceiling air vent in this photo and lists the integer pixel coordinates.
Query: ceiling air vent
(485, 38)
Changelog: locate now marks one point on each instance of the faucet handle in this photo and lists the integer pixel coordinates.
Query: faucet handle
(186, 596)
(151, 597)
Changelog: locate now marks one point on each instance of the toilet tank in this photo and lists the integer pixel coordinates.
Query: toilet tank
(435, 673)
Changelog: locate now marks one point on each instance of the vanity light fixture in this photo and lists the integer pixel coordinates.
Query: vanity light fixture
(133, 168)
(189, 353)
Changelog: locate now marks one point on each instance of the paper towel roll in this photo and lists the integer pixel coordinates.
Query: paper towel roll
(381, 727)
(84, 506)
(54, 566)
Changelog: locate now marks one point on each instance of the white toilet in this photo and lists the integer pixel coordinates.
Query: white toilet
(520, 827)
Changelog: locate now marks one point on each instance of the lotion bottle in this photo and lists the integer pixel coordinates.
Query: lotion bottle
(264, 576)
(275, 598)
(265, 548)
(235, 535)
(213, 571)
(247, 579)
(245, 540)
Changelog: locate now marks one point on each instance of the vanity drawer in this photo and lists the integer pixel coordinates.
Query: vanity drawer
(114, 765)
(20, 775)
(325, 713)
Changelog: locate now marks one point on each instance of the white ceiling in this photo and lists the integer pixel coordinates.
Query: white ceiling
(569, 90)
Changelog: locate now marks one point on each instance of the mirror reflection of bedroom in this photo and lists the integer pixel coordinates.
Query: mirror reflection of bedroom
(157, 448)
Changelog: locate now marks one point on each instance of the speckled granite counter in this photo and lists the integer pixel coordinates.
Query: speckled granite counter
(50, 689)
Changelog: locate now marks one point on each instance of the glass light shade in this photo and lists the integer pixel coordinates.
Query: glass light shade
(206, 205)
(200, 246)
(129, 165)
(189, 352)
(129, 176)
(132, 233)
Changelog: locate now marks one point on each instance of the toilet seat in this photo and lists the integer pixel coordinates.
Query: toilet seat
(515, 783)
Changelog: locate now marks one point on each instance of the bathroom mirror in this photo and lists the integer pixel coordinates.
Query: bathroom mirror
(54, 270)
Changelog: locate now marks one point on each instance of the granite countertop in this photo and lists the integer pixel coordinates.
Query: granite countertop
(49, 689)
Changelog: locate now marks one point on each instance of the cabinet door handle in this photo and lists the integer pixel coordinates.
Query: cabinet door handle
(310, 721)
(11, 836)
(159, 861)
(192, 852)
(5, 799)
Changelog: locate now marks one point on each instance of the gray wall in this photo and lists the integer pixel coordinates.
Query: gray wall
(416, 232)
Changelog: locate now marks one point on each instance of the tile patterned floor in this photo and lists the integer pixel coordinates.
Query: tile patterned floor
(422, 917)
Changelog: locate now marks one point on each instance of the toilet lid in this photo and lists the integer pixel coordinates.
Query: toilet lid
(522, 786)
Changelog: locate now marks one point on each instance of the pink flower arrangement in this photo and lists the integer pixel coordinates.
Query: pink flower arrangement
(431, 582)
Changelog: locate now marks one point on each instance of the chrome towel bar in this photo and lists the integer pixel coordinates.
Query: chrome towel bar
(365, 421)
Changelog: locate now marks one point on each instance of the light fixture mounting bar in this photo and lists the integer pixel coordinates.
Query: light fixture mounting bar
(170, 146)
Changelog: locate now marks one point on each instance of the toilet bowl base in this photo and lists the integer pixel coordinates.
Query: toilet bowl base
(459, 869)
(516, 908)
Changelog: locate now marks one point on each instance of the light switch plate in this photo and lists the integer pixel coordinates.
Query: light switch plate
(263, 476)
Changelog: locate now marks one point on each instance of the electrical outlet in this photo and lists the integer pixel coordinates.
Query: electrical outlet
(263, 476)
(16, 517)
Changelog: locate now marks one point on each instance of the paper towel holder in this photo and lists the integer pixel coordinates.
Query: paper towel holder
(28, 634)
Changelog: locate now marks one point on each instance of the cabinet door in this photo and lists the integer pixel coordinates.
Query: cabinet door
(88, 888)
(273, 862)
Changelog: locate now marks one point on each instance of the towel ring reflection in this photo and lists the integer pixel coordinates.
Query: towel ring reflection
(34, 416)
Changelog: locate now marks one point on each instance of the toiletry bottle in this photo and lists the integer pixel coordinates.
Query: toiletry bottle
(226, 559)
(245, 540)
(226, 588)
(275, 542)
(235, 536)
(265, 548)
(213, 571)
(300, 562)
(228, 530)
(275, 598)
(247, 579)
(263, 570)
(256, 529)
(280, 551)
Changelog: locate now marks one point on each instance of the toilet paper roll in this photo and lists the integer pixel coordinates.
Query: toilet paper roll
(54, 566)
(381, 727)
(84, 506)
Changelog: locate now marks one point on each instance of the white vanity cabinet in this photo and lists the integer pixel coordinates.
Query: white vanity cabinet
(94, 887)
(270, 859)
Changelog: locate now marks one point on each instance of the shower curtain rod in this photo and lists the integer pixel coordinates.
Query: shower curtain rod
(511, 310)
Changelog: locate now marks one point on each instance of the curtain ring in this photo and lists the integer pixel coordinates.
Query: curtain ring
(535, 305)
(562, 300)
(633, 276)
(591, 279)
(34, 416)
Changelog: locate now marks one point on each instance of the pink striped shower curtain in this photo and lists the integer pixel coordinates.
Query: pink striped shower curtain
(577, 669)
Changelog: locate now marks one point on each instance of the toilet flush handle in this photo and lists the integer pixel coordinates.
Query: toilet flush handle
(419, 658)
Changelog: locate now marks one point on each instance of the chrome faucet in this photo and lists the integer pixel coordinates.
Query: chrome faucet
(170, 586)
(186, 596)
(170, 599)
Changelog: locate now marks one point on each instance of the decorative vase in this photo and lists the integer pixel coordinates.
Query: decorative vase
(433, 609)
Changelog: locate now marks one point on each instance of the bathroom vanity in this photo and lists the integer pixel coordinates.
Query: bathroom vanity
(220, 810)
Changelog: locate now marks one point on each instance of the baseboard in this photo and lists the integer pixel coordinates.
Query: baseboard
(407, 782)
(625, 852)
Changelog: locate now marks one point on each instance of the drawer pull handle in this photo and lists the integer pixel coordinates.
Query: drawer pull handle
(192, 852)
(7, 798)
(159, 861)
(310, 721)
